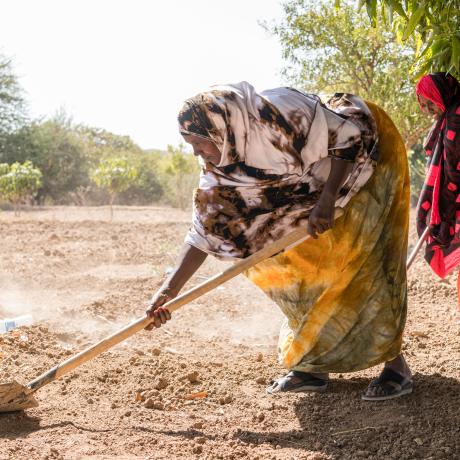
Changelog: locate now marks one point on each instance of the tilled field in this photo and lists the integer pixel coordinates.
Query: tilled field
(196, 387)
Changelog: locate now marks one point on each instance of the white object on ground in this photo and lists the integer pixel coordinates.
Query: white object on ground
(10, 323)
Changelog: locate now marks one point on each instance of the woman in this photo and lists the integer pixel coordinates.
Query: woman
(281, 159)
(439, 203)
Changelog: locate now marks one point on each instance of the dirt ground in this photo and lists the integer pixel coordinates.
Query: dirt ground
(82, 277)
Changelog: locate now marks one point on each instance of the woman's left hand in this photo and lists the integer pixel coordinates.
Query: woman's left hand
(321, 217)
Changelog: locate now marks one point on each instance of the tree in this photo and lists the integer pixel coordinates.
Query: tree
(333, 49)
(147, 187)
(434, 23)
(12, 104)
(99, 143)
(115, 175)
(66, 153)
(180, 172)
(54, 147)
(18, 182)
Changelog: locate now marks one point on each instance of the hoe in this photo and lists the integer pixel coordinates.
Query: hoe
(15, 397)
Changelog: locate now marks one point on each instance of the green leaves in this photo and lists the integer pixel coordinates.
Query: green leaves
(371, 6)
(333, 50)
(179, 175)
(435, 22)
(114, 174)
(413, 21)
(397, 6)
(12, 104)
(455, 59)
(19, 181)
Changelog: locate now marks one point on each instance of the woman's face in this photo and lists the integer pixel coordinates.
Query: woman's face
(205, 148)
(429, 106)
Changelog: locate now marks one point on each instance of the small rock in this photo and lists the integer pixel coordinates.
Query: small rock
(89, 401)
(261, 380)
(128, 413)
(261, 417)
(155, 351)
(161, 383)
(198, 425)
(418, 441)
(152, 404)
(225, 400)
(197, 449)
(200, 440)
(192, 377)
(259, 357)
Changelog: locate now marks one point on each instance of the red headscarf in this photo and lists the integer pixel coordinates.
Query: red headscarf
(440, 88)
(427, 88)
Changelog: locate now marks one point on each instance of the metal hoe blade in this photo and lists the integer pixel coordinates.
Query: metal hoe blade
(14, 397)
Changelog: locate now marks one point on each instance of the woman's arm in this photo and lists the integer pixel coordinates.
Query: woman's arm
(322, 215)
(190, 259)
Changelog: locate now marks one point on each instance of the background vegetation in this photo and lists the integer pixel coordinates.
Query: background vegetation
(377, 52)
(373, 48)
(79, 163)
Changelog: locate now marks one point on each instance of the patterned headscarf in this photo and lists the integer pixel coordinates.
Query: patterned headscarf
(222, 114)
(251, 128)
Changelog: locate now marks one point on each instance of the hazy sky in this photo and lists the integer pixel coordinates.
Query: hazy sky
(126, 66)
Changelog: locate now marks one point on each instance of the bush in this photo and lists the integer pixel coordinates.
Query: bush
(179, 175)
(115, 175)
(19, 182)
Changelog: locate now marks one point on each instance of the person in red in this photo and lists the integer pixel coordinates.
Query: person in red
(439, 204)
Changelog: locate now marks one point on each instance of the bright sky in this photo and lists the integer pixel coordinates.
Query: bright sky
(127, 65)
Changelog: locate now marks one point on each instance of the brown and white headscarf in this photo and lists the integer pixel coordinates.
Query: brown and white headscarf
(276, 147)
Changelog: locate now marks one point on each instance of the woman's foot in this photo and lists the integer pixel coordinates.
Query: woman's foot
(296, 381)
(394, 381)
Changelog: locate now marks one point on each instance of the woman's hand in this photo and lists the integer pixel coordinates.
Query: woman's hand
(159, 314)
(190, 258)
(321, 217)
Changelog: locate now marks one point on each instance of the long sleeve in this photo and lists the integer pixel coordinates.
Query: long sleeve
(344, 137)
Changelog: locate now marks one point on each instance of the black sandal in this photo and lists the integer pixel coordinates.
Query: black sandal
(295, 382)
(393, 385)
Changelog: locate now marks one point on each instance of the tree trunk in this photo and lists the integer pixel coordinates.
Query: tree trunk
(112, 199)
(17, 209)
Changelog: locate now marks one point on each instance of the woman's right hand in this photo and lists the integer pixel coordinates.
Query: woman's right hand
(155, 311)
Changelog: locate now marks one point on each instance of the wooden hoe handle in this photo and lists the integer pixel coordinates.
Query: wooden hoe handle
(414, 252)
(295, 237)
(291, 239)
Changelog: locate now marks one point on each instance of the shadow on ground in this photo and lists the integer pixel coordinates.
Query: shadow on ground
(338, 423)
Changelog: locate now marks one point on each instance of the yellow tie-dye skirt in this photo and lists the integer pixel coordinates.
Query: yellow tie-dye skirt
(344, 295)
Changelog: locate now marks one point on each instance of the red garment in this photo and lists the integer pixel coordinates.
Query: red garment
(458, 290)
(439, 203)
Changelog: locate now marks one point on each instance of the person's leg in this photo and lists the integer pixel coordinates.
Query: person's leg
(395, 380)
